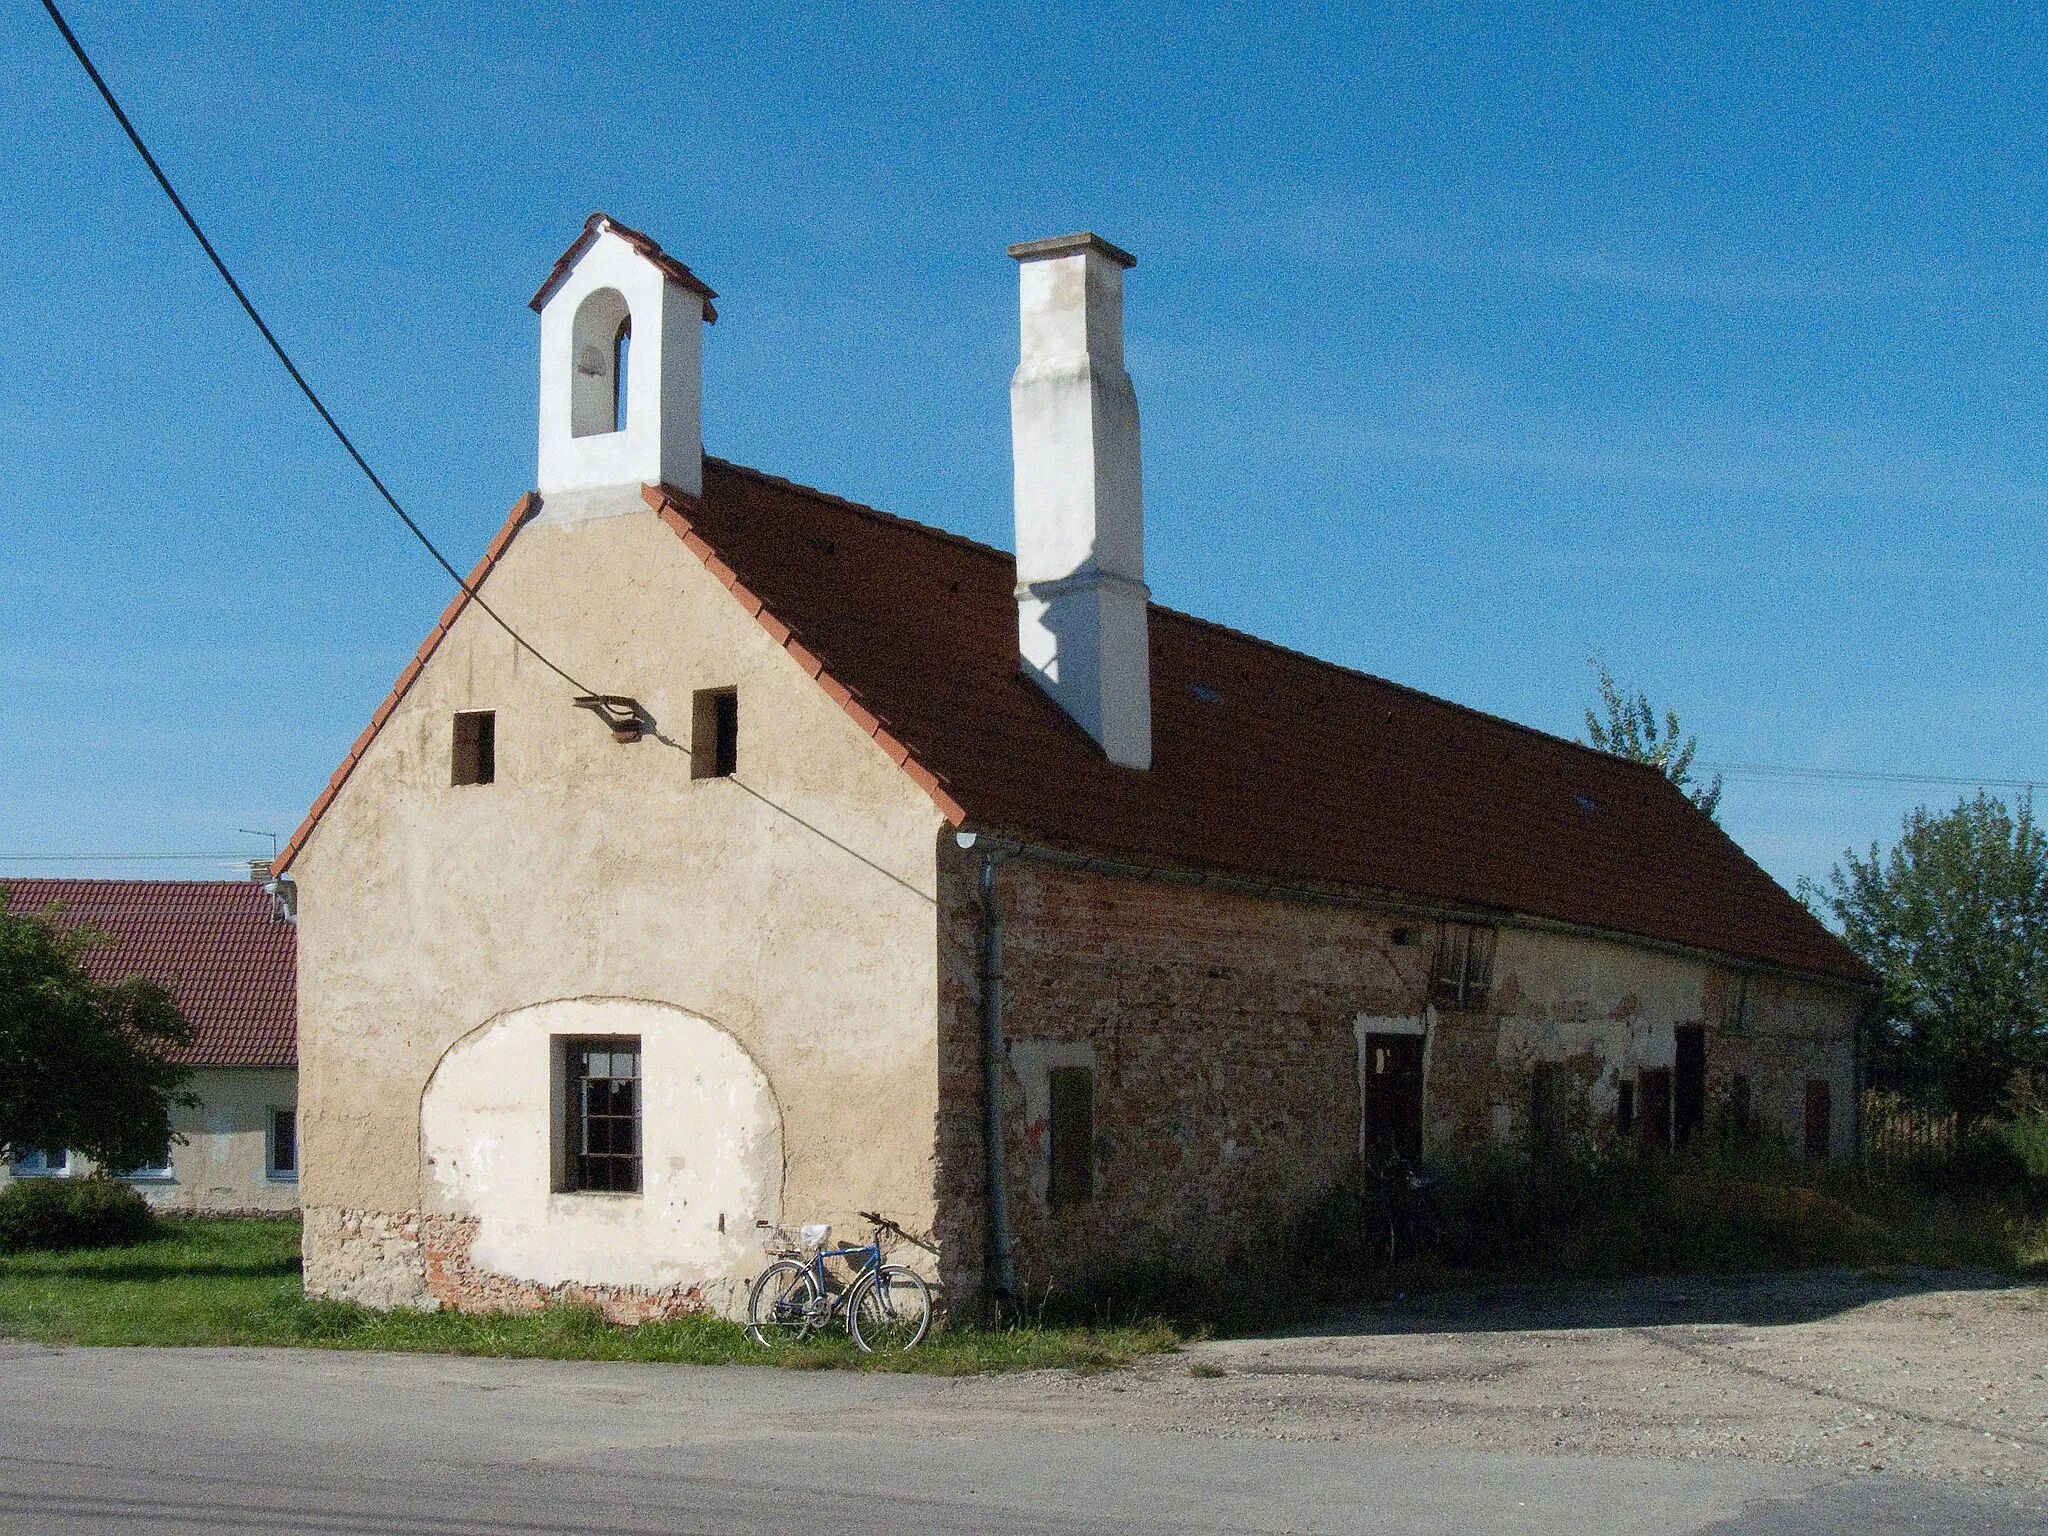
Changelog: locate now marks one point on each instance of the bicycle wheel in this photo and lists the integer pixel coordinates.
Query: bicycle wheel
(890, 1311)
(783, 1304)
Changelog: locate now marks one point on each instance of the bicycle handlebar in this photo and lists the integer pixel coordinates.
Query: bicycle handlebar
(889, 1226)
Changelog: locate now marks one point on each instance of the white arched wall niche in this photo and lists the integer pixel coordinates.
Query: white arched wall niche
(711, 1150)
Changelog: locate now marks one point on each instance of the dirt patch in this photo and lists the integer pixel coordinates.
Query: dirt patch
(1931, 1375)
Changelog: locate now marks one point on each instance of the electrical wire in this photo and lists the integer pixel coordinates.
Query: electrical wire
(1858, 776)
(220, 266)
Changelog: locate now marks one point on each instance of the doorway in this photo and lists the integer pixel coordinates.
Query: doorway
(1393, 1095)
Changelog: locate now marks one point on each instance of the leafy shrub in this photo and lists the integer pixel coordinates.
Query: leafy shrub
(2025, 1142)
(72, 1213)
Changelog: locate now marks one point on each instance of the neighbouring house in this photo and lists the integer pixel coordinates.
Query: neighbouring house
(228, 952)
(800, 859)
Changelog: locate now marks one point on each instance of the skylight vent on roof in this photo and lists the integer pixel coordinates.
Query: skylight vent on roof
(1205, 693)
(1586, 803)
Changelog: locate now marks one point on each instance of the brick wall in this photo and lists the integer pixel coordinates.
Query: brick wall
(1221, 1027)
(1220, 1031)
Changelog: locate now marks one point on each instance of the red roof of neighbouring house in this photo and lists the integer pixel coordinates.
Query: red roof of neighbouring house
(1266, 764)
(219, 945)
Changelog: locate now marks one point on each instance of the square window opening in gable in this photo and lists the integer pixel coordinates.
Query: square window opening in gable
(1461, 976)
(598, 1150)
(1071, 1124)
(476, 747)
(714, 733)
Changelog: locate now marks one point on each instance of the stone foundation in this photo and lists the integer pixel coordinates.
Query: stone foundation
(383, 1260)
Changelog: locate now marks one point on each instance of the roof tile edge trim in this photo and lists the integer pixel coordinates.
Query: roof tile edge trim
(670, 506)
(522, 509)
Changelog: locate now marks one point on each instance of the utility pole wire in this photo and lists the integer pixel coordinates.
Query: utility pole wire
(206, 245)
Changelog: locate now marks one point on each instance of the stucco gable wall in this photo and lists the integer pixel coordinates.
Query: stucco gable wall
(791, 908)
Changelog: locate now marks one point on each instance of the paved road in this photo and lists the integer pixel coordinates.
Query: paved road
(305, 1441)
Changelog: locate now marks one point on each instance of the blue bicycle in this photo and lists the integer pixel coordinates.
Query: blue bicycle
(886, 1307)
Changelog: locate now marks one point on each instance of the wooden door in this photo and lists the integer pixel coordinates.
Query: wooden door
(1393, 1095)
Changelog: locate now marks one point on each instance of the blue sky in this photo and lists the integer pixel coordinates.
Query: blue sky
(1468, 341)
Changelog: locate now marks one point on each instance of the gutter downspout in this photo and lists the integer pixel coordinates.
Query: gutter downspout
(996, 1181)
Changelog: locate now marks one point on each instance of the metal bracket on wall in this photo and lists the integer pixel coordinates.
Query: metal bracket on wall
(622, 716)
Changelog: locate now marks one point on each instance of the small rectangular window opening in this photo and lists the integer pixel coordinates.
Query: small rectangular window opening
(1462, 975)
(1072, 1176)
(158, 1167)
(1625, 1109)
(1547, 1088)
(603, 1128)
(715, 733)
(42, 1161)
(476, 747)
(284, 1144)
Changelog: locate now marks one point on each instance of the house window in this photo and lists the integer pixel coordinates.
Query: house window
(1462, 975)
(38, 1162)
(715, 733)
(1689, 1085)
(157, 1168)
(603, 1131)
(1071, 1180)
(476, 747)
(282, 1157)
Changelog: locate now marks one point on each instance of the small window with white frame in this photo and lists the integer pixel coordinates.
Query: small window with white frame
(157, 1168)
(281, 1144)
(41, 1163)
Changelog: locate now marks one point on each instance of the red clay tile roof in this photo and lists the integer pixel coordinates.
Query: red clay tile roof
(1265, 763)
(219, 945)
(596, 225)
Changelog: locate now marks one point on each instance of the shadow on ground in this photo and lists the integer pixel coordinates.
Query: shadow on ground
(1803, 1296)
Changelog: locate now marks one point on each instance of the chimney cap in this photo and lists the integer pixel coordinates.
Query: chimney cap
(1061, 245)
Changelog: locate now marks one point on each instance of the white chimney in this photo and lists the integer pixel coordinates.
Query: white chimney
(1081, 594)
(621, 373)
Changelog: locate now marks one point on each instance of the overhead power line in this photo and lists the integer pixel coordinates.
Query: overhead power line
(1859, 776)
(239, 857)
(298, 378)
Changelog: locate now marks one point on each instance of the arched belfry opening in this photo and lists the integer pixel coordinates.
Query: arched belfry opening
(621, 374)
(600, 345)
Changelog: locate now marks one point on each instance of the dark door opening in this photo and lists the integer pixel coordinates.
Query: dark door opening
(1819, 1119)
(1393, 1095)
(1689, 1086)
(1655, 1106)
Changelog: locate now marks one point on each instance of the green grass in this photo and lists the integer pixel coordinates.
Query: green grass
(237, 1282)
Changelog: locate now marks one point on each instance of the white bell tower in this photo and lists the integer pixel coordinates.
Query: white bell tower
(621, 373)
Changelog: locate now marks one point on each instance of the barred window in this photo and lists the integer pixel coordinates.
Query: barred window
(1071, 1179)
(604, 1115)
(1462, 976)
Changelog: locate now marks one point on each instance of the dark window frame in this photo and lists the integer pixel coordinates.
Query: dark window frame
(473, 757)
(602, 1126)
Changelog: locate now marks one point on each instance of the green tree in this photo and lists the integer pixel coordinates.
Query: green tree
(82, 1062)
(1955, 918)
(1630, 730)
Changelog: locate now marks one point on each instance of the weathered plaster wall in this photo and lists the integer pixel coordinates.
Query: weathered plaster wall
(789, 909)
(222, 1163)
(1603, 1012)
(1222, 1029)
